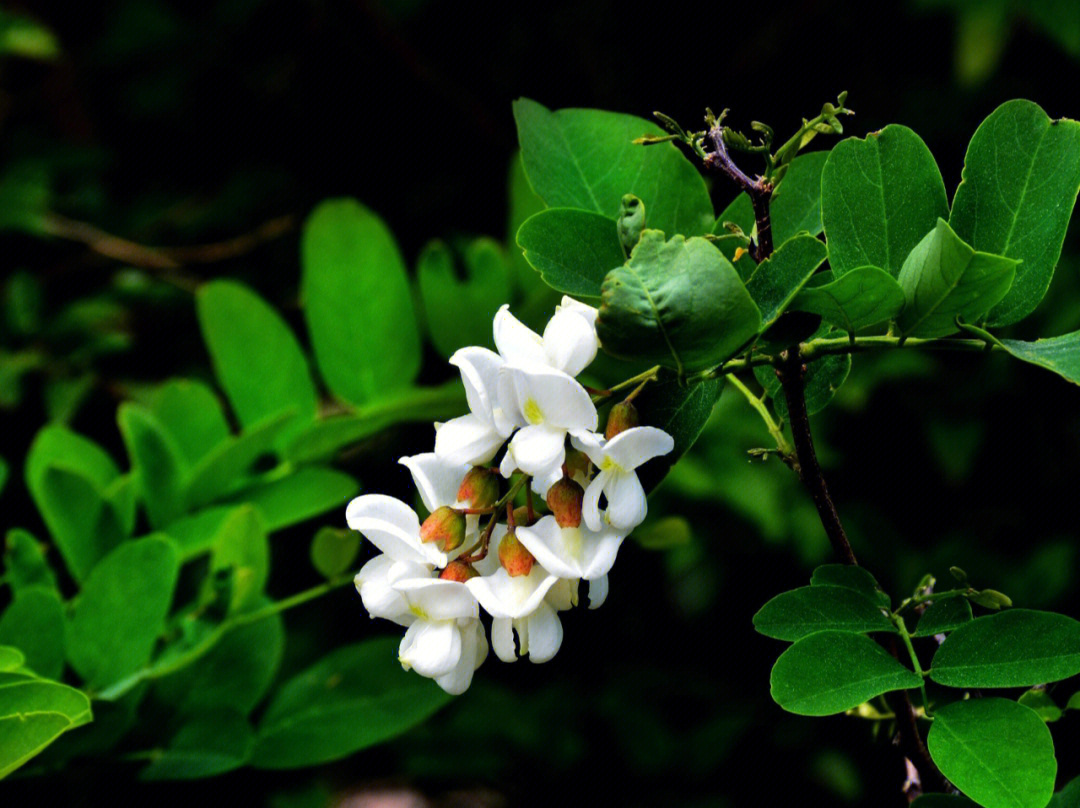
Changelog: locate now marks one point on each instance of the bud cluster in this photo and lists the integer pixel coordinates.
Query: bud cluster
(520, 559)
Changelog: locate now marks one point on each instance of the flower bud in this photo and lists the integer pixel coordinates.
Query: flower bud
(480, 488)
(521, 516)
(622, 416)
(445, 527)
(564, 498)
(458, 571)
(577, 462)
(513, 556)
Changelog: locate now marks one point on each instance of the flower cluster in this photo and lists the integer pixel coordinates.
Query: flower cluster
(525, 564)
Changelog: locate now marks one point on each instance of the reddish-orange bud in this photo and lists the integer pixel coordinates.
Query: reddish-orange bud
(480, 488)
(623, 416)
(564, 499)
(445, 527)
(577, 462)
(514, 557)
(458, 571)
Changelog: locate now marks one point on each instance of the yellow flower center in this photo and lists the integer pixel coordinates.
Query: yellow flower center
(533, 414)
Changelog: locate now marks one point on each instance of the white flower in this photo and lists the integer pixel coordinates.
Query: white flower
(518, 604)
(438, 482)
(474, 438)
(616, 460)
(375, 583)
(551, 404)
(571, 552)
(569, 343)
(394, 528)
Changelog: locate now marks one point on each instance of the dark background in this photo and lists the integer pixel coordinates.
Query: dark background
(187, 123)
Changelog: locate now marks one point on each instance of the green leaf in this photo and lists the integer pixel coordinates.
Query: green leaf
(57, 445)
(879, 197)
(795, 614)
(3, 473)
(11, 659)
(996, 751)
(194, 534)
(1068, 797)
(851, 577)
(327, 436)
(740, 213)
(24, 562)
(228, 467)
(357, 303)
(943, 278)
(300, 496)
(1020, 181)
(665, 533)
(206, 745)
(234, 673)
(586, 159)
(191, 413)
(1014, 648)
(523, 204)
(241, 547)
(778, 279)
(678, 303)
(823, 378)
(485, 288)
(1059, 354)
(256, 358)
(334, 550)
(25, 196)
(22, 36)
(34, 623)
(33, 714)
(157, 462)
(353, 698)
(863, 297)
(1041, 703)
(121, 610)
(944, 614)
(943, 801)
(681, 411)
(832, 671)
(573, 250)
(796, 202)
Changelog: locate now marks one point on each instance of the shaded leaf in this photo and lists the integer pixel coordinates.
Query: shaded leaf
(796, 202)
(24, 562)
(860, 298)
(1059, 354)
(241, 548)
(944, 614)
(191, 413)
(795, 614)
(573, 250)
(780, 277)
(157, 462)
(333, 551)
(852, 577)
(206, 745)
(300, 496)
(1041, 703)
(34, 623)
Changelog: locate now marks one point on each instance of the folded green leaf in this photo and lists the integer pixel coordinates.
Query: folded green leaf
(780, 277)
(796, 203)
(353, 698)
(944, 614)
(35, 624)
(299, 496)
(996, 751)
(241, 550)
(586, 159)
(11, 659)
(879, 197)
(678, 303)
(1068, 797)
(1014, 648)
(33, 714)
(795, 614)
(256, 357)
(858, 299)
(832, 671)
(572, 249)
(157, 461)
(1020, 182)
(1041, 703)
(1059, 354)
(24, 562)
(121, 610)
(206, 745)
(191, 413)
(357, 302)
(943, 278)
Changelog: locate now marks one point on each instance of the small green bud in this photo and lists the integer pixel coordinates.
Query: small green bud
(577, 462)
(958, 574)
(514, 556)
(521, 516)
(623, 416)
(458, 571)
(480, 488)
(564, 499)
(445, 527)
(990, 599)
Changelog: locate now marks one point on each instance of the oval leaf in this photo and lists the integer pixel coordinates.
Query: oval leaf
(1019, 185)
(944, 614)
(573, 250)
(808, 609)
(852, 577)
(1059, 354)
(35, 624)
(796, 203)
(858, 299)
(832, 671)
(208, 744)
(1014, 648)
(778, 279)
(996, 751)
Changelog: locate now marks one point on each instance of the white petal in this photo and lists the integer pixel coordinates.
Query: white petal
(547, 542)
(430, 649)
(626, 504)
(570, 342)
(516, 341)
(436, 599)
(467, 439)
(548, 396)
(507, 412)
(457, 681)
(389, 524)
(508, 465)
(504, 596)
(481, 643)
(437, 480)
(542, 482)
(588, 312)
(564, 595)
(479, 373)
(601, 550)
(545, 634)
(591, 444)
(539, 450)
(632, 447)
(590, 504)
(489, 563)
(502, 639)
(598, 590)
(379, 598)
